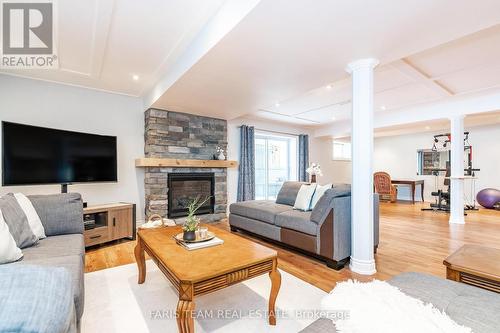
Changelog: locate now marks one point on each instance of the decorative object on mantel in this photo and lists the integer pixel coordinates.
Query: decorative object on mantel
(314, 170)
(220, 153)
(192, 221)
(181, 163)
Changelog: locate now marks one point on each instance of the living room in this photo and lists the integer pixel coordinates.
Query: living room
(227, 170)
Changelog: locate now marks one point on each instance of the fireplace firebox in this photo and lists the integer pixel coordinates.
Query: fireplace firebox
(184, 187)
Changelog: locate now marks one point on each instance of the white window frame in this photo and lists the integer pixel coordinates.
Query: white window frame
(283, 137)
(345, 155)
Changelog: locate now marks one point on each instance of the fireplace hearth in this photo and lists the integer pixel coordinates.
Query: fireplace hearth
(184, 187)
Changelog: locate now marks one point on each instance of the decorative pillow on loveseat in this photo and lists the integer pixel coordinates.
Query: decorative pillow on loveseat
(17, 221)
(9, 251)
(320, 190)
(31, 214)
(304, 197)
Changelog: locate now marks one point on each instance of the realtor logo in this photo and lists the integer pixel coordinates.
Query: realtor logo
(28, 35)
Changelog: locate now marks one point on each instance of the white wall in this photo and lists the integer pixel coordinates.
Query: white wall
(321, 151)
(65, 107)
(397, 155)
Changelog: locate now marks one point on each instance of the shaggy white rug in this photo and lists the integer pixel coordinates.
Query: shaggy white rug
(378, 307)
(114, 302)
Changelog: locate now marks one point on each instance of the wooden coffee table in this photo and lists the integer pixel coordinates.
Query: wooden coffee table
(199, 272)
(475, 265)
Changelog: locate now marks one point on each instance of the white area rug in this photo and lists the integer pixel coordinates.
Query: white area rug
(378, 307)
(114, 302)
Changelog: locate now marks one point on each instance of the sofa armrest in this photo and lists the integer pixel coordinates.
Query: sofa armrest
(334, 230)
(60, 214)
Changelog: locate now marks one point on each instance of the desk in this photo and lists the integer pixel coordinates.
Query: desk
(413, 184)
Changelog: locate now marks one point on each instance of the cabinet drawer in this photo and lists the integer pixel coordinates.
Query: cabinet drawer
(96, 236)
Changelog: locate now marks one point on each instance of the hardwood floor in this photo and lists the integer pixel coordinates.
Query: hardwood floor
(410, 240)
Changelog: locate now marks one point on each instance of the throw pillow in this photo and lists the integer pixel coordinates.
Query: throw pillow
(304, 197)
(17, 221)
(9, 251)
(320, 190)
(31, 214)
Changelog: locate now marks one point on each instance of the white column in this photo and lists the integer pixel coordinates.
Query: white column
(457, 170)
(362, 257)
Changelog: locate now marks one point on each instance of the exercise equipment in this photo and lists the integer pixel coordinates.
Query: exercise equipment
(488, 197)
(442, 201)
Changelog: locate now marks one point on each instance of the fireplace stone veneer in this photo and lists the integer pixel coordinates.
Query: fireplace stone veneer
(182, 136)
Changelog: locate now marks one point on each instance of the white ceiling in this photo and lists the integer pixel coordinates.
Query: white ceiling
(288, 52)
(103, 43)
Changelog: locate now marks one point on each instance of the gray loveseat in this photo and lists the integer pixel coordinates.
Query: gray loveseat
(470, 306)
(62, 253)
(324, 232)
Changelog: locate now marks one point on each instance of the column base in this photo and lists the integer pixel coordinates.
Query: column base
(363, 267)
(457, 220)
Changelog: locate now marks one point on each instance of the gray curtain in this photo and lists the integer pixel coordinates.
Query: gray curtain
(303, 156)
(246, 177)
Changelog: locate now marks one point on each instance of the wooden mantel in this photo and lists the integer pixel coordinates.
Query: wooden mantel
(178, 163)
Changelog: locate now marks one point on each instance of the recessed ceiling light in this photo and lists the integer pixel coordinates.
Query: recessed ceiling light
(135, 77)
(334, 118)
(329, 87)
(383, 108)
(277, 105)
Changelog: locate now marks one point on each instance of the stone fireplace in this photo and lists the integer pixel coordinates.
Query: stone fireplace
(177, 135)
(185, 187)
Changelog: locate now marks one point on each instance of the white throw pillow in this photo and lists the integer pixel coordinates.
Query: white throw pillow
(9, 251)
(304, 197)
(320, 190)
(30, 212)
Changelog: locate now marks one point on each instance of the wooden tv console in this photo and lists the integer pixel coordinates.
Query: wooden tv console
(112, 222)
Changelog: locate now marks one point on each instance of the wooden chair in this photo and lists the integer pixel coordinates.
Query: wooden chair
(383, 186)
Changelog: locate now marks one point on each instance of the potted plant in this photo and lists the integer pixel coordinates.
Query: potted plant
(314, 170)
(192, 222)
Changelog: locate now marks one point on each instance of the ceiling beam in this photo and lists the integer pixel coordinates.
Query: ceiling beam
(227, 17)
(457, 105)
(406, 67)
(102, 25)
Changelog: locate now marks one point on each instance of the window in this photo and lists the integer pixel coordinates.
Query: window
(276, 161)
(341, 151)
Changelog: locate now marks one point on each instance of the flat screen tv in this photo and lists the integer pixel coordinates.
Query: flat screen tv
(36, 155)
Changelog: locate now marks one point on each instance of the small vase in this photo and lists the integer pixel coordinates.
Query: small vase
(189, 235)
(221, 157)
(313, 178)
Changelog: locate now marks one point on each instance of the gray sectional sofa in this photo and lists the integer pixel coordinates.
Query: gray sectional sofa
(470, 306)
(62, 253)
(324, 232)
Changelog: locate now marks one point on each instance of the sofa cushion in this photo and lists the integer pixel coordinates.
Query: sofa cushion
(466, 305)
(36, 299)
(325, 203)
(56, 246)
(17, 221)
(60, 213)
(72, 263)
(297, 220)
(288, 193)
(262, 210)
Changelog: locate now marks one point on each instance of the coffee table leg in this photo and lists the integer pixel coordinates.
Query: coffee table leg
(141, 261)
(185, 320)
(275, 287)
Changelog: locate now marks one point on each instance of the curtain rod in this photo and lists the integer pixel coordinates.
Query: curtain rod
(270, 131)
